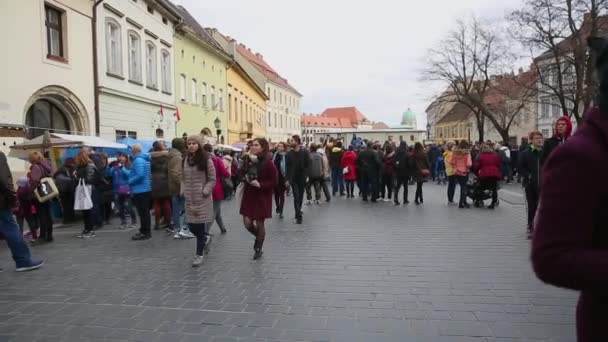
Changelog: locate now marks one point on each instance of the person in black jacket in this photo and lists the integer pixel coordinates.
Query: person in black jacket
(8, 227)
(298, 162)
(402, 172)
(368, 165)
(335, 163)
(530, 167)
(88, 172)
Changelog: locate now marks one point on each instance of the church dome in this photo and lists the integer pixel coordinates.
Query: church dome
(409, 118)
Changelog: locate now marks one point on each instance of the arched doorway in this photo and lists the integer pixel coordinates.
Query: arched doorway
(55, 109)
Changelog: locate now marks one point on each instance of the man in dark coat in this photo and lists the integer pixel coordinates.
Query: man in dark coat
(298, 162)
(368, 165)
(403, 167)
(570, 243)
(530, 165)
(335, 163)
(8, 227)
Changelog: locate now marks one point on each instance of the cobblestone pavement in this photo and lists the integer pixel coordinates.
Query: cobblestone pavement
(352, 272)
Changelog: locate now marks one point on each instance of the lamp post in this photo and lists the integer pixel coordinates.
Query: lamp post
(218, 128)
(428, 130)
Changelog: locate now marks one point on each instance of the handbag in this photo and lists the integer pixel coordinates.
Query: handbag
(425, 172)
(227, 186)
(46, 190)
(123, 190)
(82, 198)
(345, 170)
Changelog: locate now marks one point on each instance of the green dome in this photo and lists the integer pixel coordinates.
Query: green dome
(408, 117)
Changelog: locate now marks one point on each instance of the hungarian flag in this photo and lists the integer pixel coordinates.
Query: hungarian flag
(177, 116)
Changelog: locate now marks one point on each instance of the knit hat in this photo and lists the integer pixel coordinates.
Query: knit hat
(196, 138)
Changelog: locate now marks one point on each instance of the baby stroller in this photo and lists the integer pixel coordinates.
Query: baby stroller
(476, 193)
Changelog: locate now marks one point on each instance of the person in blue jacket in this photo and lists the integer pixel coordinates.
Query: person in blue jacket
(140, 182)
(119, 171)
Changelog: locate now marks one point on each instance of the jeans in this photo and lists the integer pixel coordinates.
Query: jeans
(337, 180)
(177, 211)
(142, 203)
(506, 171)
(162, 208)
(217, 213)
(532, 194)
(198, 229)
(279, 195)
(452, 180)
(298, 196)
(418, 195)
(318, 183)
(97, 207)
(350, 188)
(462, 182)
(401, 181)
(10, 230)
(125, 205)
(388, 183)
(45, 220)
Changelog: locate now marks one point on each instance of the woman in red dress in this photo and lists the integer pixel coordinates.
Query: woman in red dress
(260, 178)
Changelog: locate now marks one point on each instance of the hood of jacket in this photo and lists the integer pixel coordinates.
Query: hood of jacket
(568, 132)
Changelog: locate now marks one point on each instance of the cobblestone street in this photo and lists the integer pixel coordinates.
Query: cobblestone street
(351, 272)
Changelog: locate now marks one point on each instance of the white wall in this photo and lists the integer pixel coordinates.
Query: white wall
(289, 112)
(25, 68)
(138, 109)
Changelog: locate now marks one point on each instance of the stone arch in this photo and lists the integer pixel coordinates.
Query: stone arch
(206, 132)
(74, 110)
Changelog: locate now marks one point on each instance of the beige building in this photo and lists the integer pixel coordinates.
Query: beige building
(48, 74)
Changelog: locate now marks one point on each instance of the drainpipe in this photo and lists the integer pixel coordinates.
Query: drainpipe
(95, 66)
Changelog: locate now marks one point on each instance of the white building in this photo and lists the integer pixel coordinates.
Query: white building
(47, 69)
(136, 61)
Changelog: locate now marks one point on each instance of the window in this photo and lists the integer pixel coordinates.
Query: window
(546, 133)
(134, 57)
(411, 138)
(165, 69)
(213, 104)
(54, 32)
(221, 99)
(281, 98)
(150, 10)
(182, 87)
(275, 95)
(236, 109)
(557, 108)
(194, 90)
(151, 78)
(229, 107)
(204, 91)
(545, 106)
(268, 91)
(269, 123)
(165, 21)
(113, 47)
(276, 120)
(44, 115)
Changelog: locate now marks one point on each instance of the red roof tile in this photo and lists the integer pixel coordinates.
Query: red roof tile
(350, 113)
(323, 121)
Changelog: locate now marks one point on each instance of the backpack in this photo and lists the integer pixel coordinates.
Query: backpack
(316, 165)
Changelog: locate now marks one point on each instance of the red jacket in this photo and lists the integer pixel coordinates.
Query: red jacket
(349, 159)
(220, 171)
(488, 166)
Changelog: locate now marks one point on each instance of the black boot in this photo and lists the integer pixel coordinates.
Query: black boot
(257, 247)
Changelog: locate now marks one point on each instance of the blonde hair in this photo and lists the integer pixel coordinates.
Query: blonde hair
(136, 148)
(82, 158)
(36, 157)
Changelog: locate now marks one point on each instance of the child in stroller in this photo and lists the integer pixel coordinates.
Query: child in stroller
(477, 193)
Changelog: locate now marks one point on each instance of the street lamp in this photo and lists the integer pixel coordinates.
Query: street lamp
(428, 130)
(218, 128)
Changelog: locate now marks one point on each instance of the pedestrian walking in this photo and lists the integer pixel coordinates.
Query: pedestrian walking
(349, 170)
(8, 227)
(489, 173)
(140, 181)
(280, 163)
(403, 171)
(218, 192)
(40, 169)
(422, 171)
(530, 167)
(161, 195)
(87, 172)
(461, 163)
(335, 163)
(199, 179)
(256, 205)
(298, 163)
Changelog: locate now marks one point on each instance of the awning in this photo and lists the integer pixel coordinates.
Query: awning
(90, 141)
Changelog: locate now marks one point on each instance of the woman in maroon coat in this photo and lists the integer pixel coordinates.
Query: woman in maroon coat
(349, 162)
(570, 243)
(260, 178)
(488, 171)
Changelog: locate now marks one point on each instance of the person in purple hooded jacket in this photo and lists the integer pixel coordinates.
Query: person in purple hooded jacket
(41, 168)
(570, 243)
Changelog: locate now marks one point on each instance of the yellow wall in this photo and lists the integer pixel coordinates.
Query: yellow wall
(451, 131)
(245, 105)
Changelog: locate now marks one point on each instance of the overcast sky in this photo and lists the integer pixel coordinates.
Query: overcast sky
(341, 53)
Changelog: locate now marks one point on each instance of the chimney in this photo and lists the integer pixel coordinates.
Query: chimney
(259, 55)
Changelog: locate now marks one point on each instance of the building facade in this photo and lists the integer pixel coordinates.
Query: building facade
(201, 81)
(48, 74)
(246, 106)
(136, 69)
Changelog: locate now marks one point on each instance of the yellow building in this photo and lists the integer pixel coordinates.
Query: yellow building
(246, 106)
(455, 125)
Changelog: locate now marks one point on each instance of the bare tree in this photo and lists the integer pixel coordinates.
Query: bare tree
(467, 62)
(555, 33)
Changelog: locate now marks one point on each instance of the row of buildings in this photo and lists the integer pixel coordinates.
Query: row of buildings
(144, 69)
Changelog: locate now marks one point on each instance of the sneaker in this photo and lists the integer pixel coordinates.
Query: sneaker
(298, 220)
(317, 202)
(308, 202)
(34, 264)
(140, 236)
(170, 229)
(197, 260)
(123, 226)
(224, 231)
(86, 235)
(131, 226)
(186, 233)
(387, 200)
